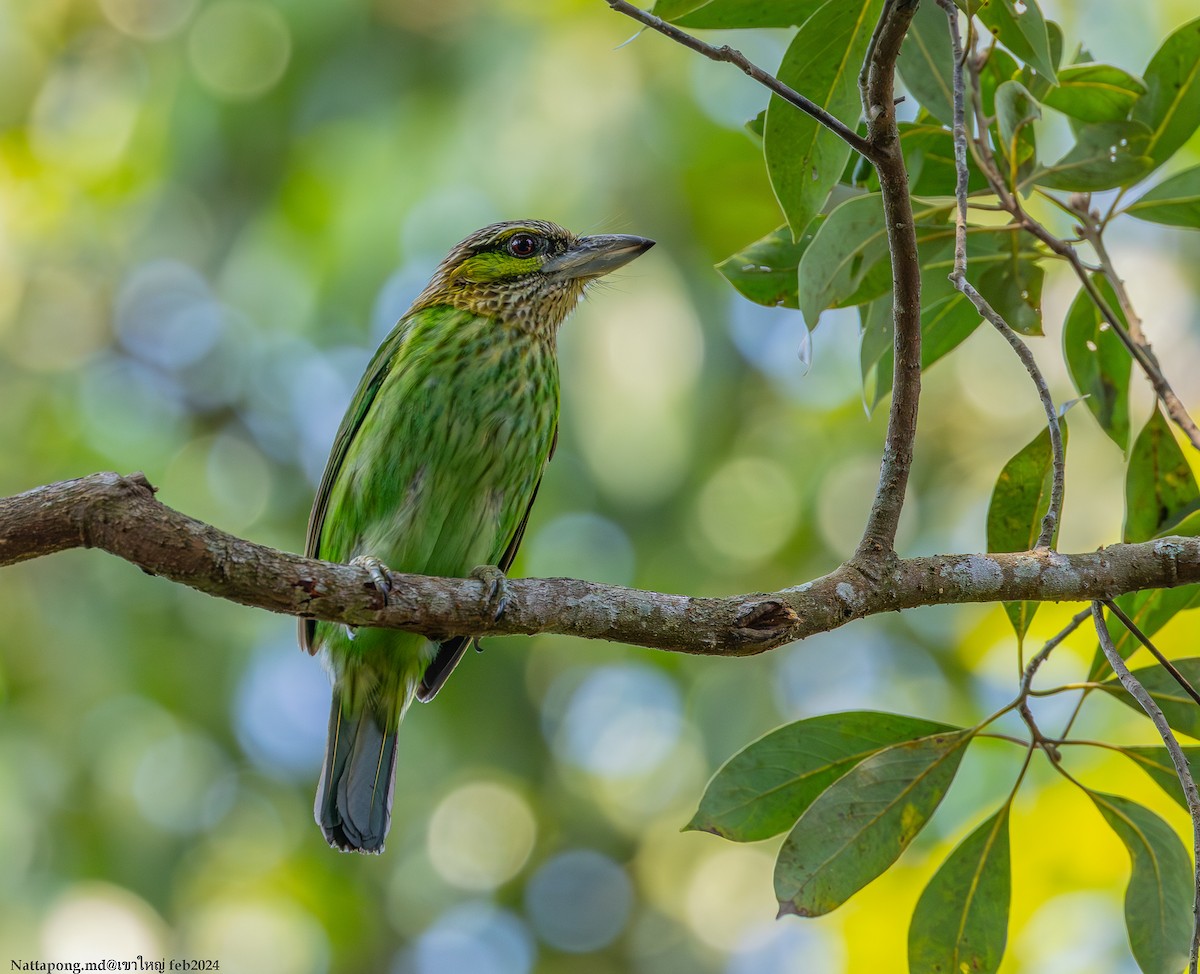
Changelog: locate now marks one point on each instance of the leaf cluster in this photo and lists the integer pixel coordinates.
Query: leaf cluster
(852, 790)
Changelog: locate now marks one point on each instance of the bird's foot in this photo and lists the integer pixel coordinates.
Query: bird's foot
(495, 590)
(381, 575)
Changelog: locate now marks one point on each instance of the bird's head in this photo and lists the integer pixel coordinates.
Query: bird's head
(530, 273)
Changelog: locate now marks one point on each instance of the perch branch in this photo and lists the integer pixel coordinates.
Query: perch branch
(122, 516)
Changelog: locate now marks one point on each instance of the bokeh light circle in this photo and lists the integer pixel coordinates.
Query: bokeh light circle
(239, 49)
(620, 720)
(480, 835)
(478, 938)
(579, 901)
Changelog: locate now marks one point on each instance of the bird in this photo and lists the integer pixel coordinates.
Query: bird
(433, 471)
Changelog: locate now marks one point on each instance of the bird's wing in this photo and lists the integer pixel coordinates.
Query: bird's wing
(364, 396)
(450, 651)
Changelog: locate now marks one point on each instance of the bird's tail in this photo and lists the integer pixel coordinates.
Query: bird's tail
(354, 795)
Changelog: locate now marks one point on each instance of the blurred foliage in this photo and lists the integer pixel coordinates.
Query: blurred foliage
(211, 212)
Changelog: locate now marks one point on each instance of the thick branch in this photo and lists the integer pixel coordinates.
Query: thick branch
(880, 534)
(122, 516)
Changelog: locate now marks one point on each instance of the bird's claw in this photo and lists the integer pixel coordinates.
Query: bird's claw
(495, 590)
(380, 574)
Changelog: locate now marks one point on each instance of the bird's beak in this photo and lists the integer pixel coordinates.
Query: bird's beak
(595, 256)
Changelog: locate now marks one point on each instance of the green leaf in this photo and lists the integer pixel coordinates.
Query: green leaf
(1022, 30)
(1178, 707)
(1015, 108)
(1157, 763)
(754, 126)
(804, 159)
(671, 10)
(947, 317)
(1020, 500)
(848, 262)
(766, 786)
(765, 271)
(1106, 155)
(1095, 92)
(929, 156)
(1161, 499)
(1158, 899)
(1174, 201)
(997, 69)
(861, 823)
(726, 14)
(1171, 105)
(1159, 485)
(961, 919)
(1011, 277)
(1098, 362)
(926, 62)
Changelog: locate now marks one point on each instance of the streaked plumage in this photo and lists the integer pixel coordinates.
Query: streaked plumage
(433, 471)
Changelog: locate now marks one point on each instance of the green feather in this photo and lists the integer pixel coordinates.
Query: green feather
(433, 471)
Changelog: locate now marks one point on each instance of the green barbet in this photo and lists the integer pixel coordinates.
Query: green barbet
(433, 471)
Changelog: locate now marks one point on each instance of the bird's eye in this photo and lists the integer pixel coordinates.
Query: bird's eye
(523, 245)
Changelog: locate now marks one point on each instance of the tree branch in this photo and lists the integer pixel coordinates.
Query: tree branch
(958, 276)
(739, 60)
(121, 515)
(879, 536)
(1178, 758)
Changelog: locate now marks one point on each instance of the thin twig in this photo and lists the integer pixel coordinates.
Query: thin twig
(1142, 638)
(744, 64)
(958, 276)
(1139, 351)
(1024, 691)
(1051, 644)
(1178, 758)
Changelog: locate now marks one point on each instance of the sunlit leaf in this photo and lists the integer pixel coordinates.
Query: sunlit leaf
(1020, 500)
(1106, 155)
(1157, 763)
(1022, 29)
(766, 786)
(1160, 487)
(1171, 105)
(804, 159)
(765, 271)
(862, 823)
(1174, 201)
(1095, 92)
(1181, 711)
(961, 919)
(926, 62)
(1158, 899)
(1098, 362)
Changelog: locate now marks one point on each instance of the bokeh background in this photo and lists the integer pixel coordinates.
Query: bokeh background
(210, 213)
